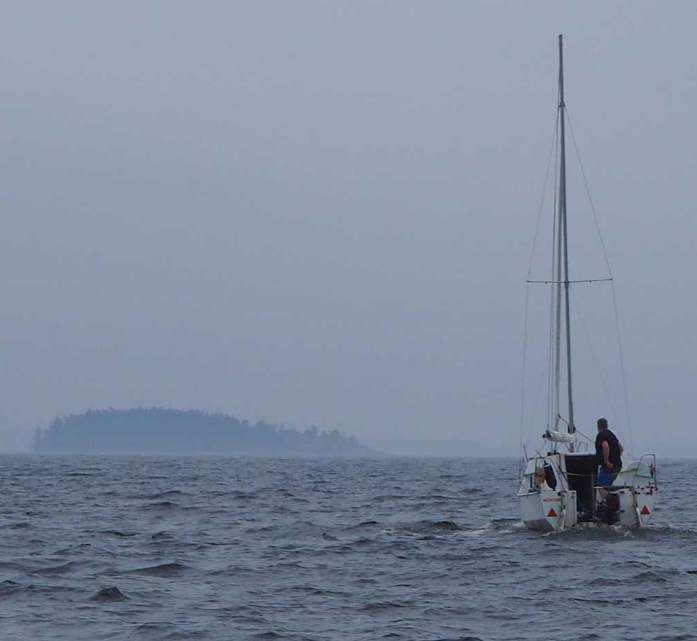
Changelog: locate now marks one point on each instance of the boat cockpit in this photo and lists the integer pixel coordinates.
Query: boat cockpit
(581, 470)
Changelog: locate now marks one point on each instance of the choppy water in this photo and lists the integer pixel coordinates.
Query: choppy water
(135, 548)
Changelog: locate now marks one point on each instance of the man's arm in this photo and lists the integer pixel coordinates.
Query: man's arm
(606, 454)
(621, 448)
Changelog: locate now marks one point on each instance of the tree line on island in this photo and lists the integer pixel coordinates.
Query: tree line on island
(169, 431)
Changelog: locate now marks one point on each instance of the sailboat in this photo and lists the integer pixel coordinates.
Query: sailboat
(558, 485)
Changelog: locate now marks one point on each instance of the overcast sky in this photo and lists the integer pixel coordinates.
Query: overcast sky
(322, 212)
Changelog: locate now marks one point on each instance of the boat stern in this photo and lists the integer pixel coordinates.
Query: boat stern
(546, 504)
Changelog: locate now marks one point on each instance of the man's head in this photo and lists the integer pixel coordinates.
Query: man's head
(602, 424)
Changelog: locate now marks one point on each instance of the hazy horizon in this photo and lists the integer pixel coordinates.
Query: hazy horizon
(322, 213)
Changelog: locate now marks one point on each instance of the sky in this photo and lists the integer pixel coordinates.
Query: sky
(323, 213)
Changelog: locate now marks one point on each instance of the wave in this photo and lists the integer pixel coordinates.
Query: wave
(162, 535)
(164, 495)
(506, 524)
(118, 533)
(162, 505)
(360, 526)
(17, 525)
(163, 570)
(381, 606)
(437, 497)
(109, 595)
(436, 526)
(63, 568)
(8, 588)
(651, 576)
(383, 498)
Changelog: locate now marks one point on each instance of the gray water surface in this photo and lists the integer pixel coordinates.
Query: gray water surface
(218, 548)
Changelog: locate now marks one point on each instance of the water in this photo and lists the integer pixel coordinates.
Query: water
(165, 548)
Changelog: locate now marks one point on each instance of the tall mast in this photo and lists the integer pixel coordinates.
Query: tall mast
(558, 251)
(564, 235)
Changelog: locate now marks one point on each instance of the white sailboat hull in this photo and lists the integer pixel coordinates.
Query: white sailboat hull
(548, 510)
(549, 502)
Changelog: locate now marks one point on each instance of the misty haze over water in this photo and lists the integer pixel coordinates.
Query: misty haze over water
(321, 214)
(312, 213)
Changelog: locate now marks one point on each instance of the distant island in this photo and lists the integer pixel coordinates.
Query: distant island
(169, 431)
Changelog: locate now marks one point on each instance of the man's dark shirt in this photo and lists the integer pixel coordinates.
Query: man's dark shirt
(613, 443)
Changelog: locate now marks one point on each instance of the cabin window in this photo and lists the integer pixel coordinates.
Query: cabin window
(550, 476)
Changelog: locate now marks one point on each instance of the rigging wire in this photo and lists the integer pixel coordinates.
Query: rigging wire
(522, 385)
(589, 196)
(527, 287)
(623, 370)
(523, 374)
(594, 358)
(550, 155)
(620, 349)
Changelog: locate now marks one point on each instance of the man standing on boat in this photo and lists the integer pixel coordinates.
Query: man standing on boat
(608, 454)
